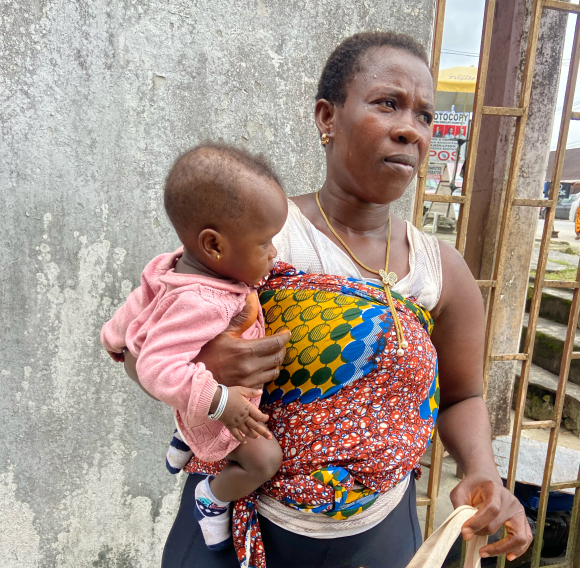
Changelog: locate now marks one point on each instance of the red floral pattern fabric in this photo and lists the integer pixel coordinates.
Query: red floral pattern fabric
(376, 429)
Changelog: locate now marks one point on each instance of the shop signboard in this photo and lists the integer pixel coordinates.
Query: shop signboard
(448, 127)
(563, 193)
(435, 171)
(442, 151)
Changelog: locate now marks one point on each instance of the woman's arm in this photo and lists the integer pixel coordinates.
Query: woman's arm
(463, 422)
(232, 360)
(235, 361)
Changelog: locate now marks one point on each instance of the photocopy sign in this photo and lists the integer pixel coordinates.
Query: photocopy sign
(447, 129)
(450, 125)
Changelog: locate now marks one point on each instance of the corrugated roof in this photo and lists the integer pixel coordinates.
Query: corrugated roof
(571, 171)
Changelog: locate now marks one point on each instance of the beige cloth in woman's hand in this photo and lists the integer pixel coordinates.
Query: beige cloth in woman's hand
(434, 550)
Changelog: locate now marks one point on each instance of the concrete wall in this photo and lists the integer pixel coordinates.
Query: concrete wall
(97, 99)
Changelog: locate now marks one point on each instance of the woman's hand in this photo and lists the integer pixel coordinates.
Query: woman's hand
(251, 363)
(464, 430)
(497, 507)
(232, 360)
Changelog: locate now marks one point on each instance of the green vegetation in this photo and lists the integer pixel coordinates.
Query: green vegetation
(566, 274)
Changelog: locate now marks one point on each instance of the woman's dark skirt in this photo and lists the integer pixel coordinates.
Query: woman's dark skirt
(390, 544)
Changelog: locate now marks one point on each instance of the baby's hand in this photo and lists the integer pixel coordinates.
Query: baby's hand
(118, 357)
(241, 417)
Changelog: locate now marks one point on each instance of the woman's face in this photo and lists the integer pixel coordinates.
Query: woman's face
(382, 133)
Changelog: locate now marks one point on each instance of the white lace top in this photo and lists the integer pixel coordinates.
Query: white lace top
(303, 246)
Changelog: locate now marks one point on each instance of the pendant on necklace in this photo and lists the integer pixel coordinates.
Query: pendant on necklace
(389, 279)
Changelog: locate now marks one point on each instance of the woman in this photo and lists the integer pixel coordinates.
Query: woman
(575, 216)
(374, 112)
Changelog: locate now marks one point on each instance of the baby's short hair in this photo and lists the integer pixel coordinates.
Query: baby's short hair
(201, 188)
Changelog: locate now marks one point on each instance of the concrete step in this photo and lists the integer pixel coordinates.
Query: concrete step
(542, 387)
(549, 346)
(558, 260)
(555, 304)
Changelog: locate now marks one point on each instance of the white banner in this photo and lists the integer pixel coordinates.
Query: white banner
(442, 151)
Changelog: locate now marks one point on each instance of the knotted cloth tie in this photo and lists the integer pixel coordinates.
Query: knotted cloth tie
(348, 499)
(435, 549)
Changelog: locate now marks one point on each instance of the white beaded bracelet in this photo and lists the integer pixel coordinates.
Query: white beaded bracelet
(221, 405)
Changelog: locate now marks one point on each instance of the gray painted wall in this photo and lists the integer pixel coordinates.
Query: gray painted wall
(97, 99)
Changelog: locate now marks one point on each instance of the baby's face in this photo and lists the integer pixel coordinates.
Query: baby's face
(250, 253)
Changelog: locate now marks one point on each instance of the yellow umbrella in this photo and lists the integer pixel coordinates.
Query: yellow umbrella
(457, 80)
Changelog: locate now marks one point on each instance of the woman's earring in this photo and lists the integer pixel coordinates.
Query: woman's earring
(324, 139)
(218, 256)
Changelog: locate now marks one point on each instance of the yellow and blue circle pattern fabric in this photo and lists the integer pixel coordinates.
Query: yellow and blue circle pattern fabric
(334, 341)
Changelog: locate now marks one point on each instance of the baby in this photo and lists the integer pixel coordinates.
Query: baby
(225, 205)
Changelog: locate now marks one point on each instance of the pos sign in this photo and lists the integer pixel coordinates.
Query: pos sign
(448, 128)
(442, 151)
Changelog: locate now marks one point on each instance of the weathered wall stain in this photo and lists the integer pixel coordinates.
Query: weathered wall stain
(96, 101)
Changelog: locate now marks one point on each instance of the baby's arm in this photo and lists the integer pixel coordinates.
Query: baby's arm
(240, 416)
(114, 331)
(182, 324)
(166, 369)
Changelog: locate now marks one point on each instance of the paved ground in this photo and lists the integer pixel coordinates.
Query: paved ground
(565, 231)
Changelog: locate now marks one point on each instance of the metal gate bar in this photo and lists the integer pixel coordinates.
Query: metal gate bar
(572, 321)
(437, 448)
(508, 204)
(433, 483)
(475, 130)
(435, 61)
(520, 113)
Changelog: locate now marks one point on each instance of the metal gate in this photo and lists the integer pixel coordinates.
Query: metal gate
(495, 284)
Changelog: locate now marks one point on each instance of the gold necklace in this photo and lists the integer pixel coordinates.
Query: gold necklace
(388, 278)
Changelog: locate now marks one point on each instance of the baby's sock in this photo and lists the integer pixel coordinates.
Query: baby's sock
(178, 454)
(213, 516)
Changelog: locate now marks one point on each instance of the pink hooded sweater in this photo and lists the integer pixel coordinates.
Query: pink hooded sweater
(164, 323)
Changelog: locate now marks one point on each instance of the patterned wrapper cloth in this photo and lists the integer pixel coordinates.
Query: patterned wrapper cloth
(345, 408)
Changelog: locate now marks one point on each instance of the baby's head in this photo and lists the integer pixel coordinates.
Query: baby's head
(226, 206)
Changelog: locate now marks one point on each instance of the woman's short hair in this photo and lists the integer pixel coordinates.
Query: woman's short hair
(345, 61)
